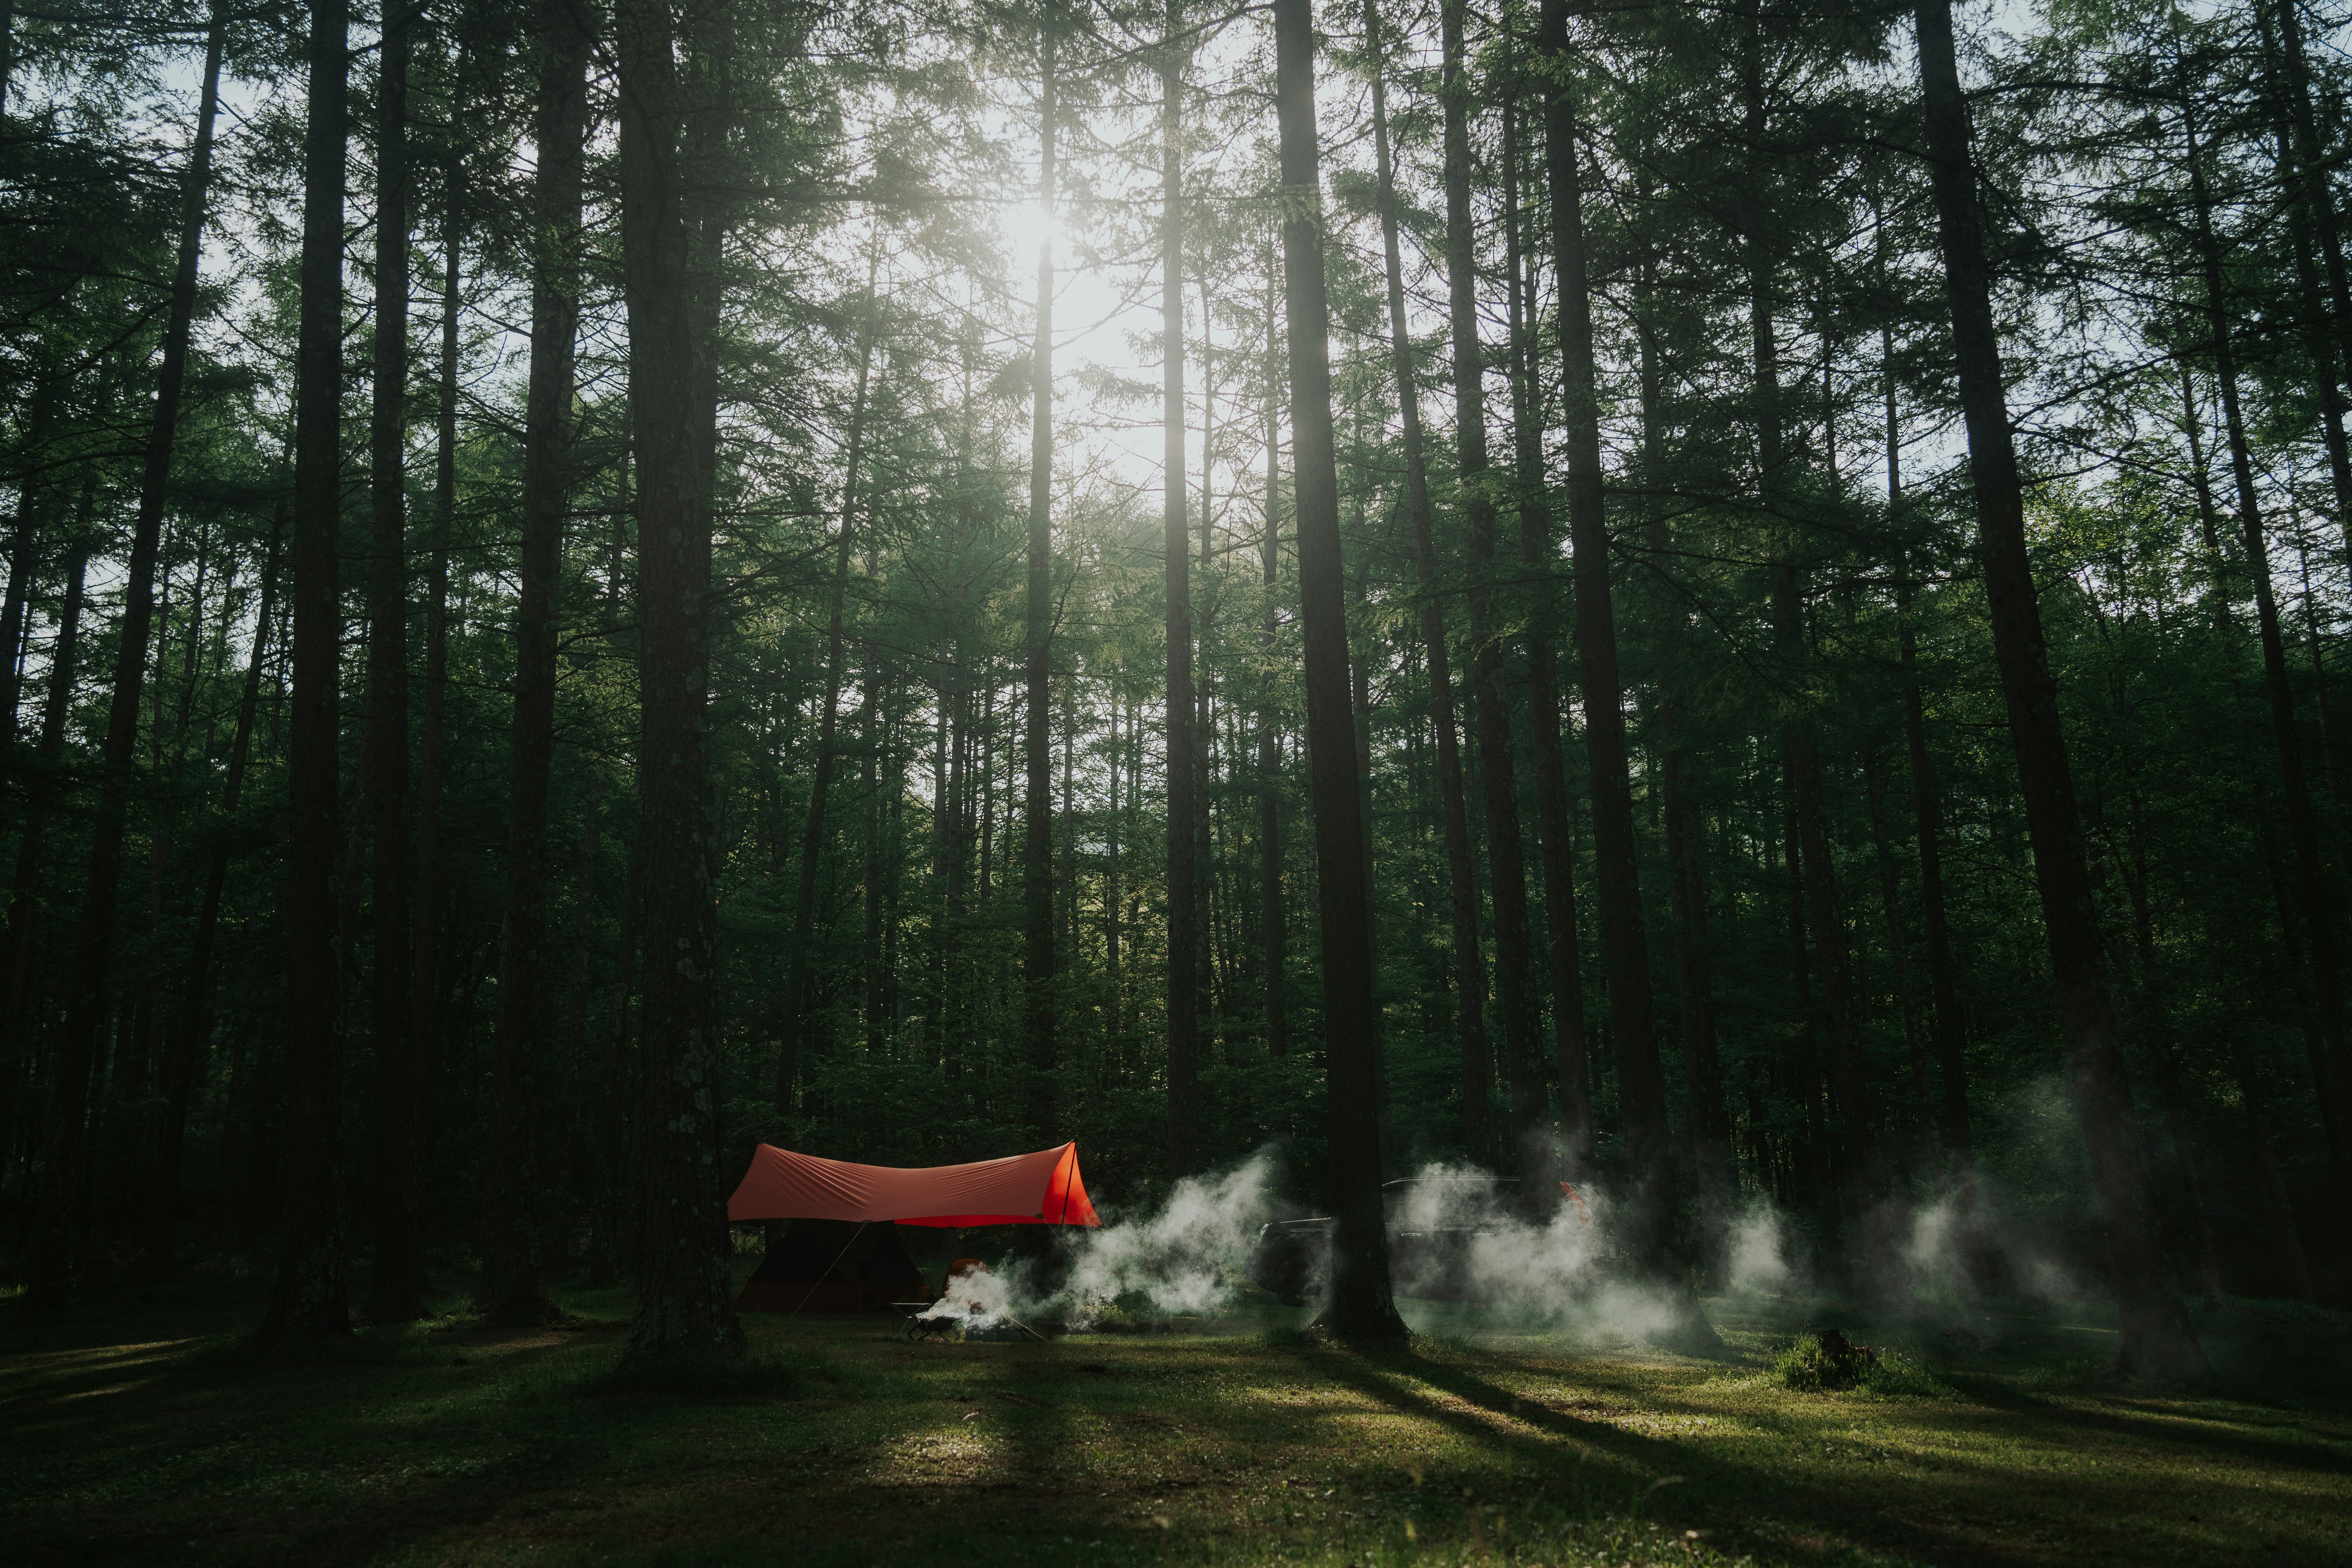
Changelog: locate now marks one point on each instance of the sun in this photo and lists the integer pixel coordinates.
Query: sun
(1028, 225)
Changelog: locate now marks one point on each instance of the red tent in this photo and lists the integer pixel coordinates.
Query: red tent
(1043, 1188)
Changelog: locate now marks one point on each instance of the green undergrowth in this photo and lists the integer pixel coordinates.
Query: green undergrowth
(157, 1432)
(1819, 1363)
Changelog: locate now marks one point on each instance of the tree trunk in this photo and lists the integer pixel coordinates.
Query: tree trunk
(1037, 812)
(398, 1289)
(2315, 209)
(1183, 859)
(2176, 1112)
(1651, 1241)
(41, 808)
(1898, 948)
(1554, 839)
(2314, 898)
(1943, 974)
(2289, 1236)
(828, 724)
(513, 1209)
(17, 1018)
(679, 1246)
(2155, 1334)
(310, 1300)
(193, 1026)
(1497, 772)
(1361, 1308)
(1462, 875)
(47, 1277)
(424, 947)
(1274, 940)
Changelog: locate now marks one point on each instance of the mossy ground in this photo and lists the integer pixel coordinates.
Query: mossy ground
(144, 1431)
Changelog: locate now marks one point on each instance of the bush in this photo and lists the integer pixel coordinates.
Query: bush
(1826, 1361)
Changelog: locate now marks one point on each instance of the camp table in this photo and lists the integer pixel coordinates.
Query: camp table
(922, 1323)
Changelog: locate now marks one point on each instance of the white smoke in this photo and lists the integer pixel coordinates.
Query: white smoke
(1759, 1251)
(1176, 1257)
(981, 1298)
(1464, 1254)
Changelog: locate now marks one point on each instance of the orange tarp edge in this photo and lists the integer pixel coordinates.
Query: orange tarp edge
(1043, 1188)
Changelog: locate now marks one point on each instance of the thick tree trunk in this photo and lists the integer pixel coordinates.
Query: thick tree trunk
(2155, 1337)
(1651, 1241)
(47, 1277)
(1037, 745)
(397, 1294)
(1183, 809)
(310, 1300)
(513, 1211)
(679, 1242)
(1461, 866)
(788, 1026)
(1362, 1307)
(1554, 837)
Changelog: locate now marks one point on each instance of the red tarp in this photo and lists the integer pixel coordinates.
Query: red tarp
(1043, 1188)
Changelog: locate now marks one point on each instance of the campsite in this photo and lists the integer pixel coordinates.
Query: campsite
(1361, 783)
(143, 1431)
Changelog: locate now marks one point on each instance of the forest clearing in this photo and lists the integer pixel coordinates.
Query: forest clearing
(1634, 710)
(142, 1433)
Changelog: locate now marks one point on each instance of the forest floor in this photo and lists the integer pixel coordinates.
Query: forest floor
(138, 1427)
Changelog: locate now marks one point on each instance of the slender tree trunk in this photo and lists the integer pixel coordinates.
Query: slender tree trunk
(1624, 942)
(2314, 898)
(194, 1025)
(1273, 937)
(2155, 1337)
(828, 724)
(1555, 841)
(512, 1206)
(1497, 772)
(17, 1020)
(1710, 1125)
(425, 945)
(679, 1241)
(2315, 209)
(309, 1301)
(1943, 974)
(1461, 876)
(1037, 812)
(1898, 948)
(398, 1289)
(2273, 1181)
(2176, 1113)
(1362, 1307)
(1183, 856)
(24, 559)
(42, 807)
(48, 1279)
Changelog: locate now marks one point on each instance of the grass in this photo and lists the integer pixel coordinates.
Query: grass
(146, 1432)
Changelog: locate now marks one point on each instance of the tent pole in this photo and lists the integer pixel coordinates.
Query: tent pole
(830, 1266)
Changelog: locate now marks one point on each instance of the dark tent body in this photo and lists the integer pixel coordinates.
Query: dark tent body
(834, 1266)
